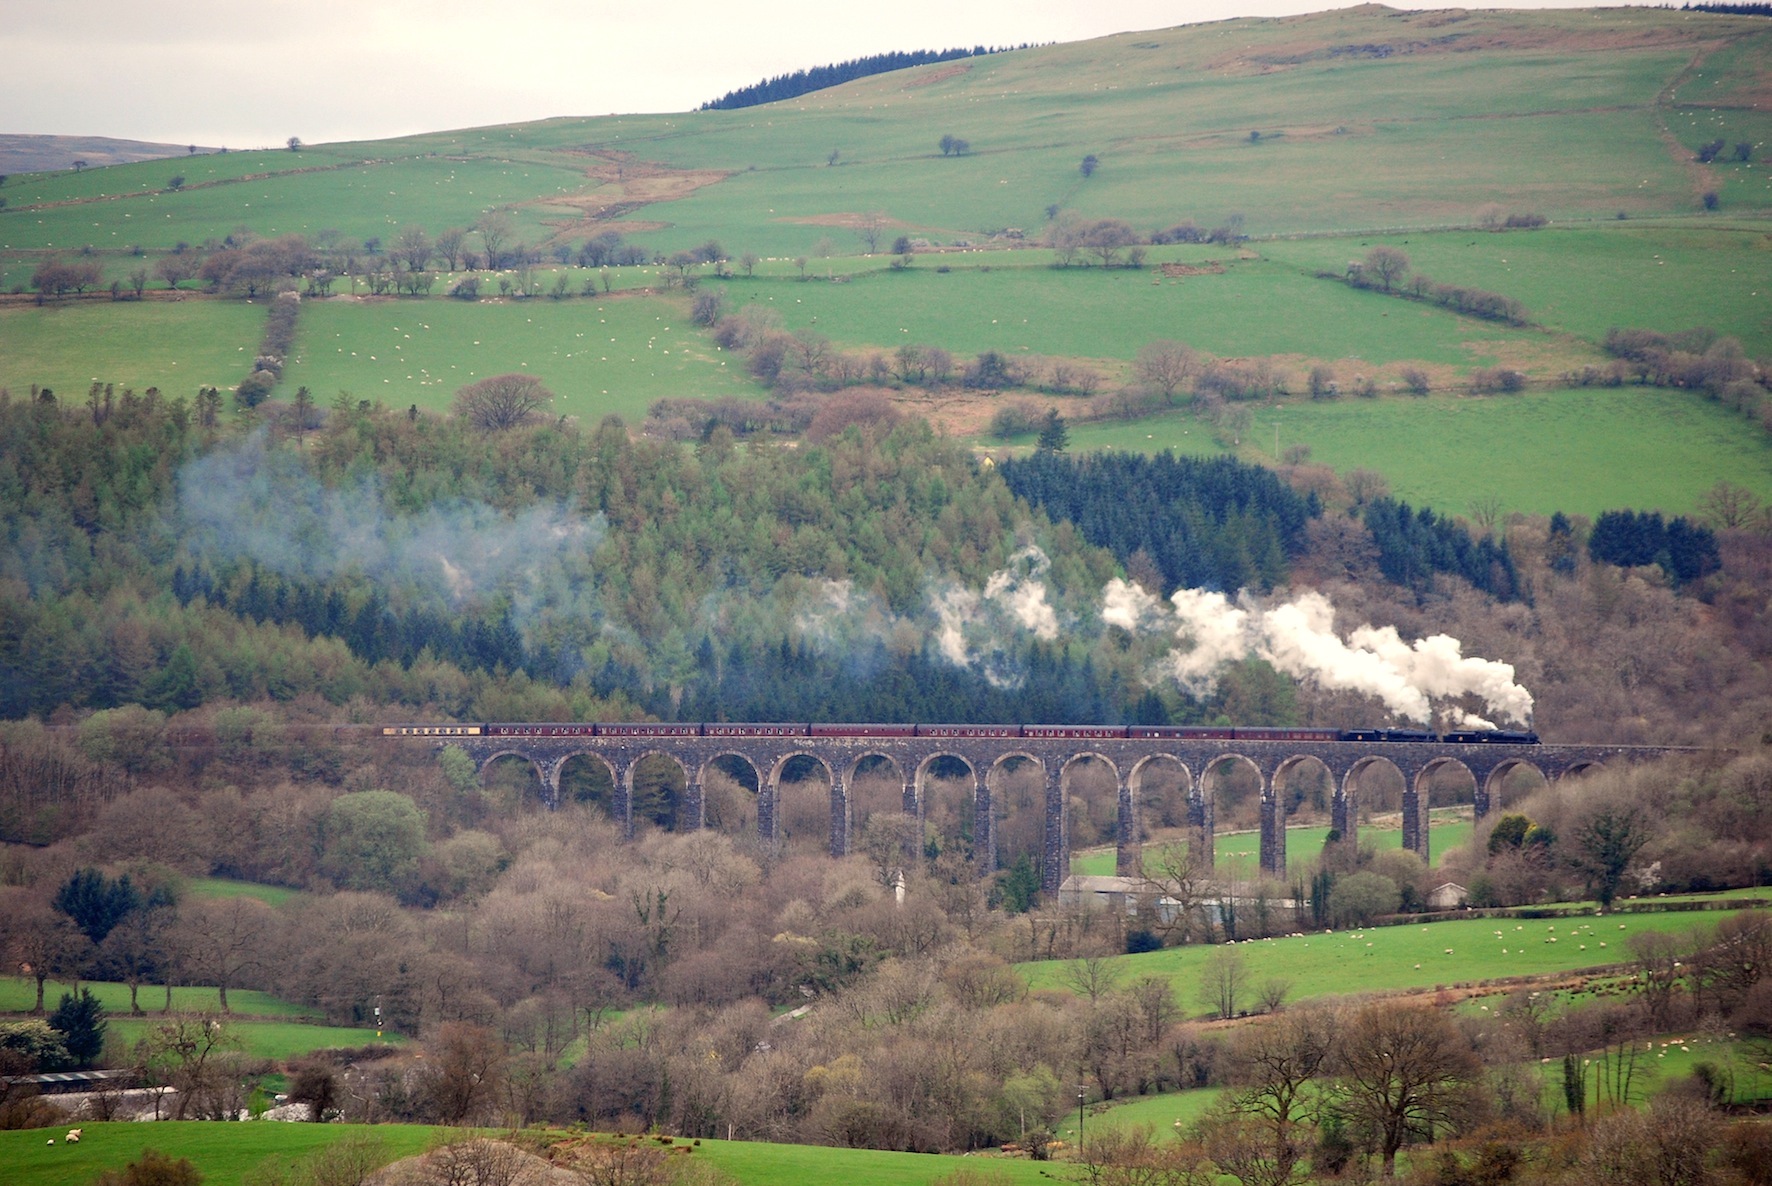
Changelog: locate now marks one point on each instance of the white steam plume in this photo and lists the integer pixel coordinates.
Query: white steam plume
(1298, 638)
(1438, 666)
(1126, 604)
(1020, 590)
(1220, 634)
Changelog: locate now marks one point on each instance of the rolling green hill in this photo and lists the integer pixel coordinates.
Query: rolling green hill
(1317, 137)
(1364, 118)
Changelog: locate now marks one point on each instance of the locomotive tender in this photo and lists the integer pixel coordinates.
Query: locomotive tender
(815, 729)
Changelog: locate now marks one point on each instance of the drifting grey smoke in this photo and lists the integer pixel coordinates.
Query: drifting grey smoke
(253, 503)
(1298, 638)
(977, 629)
(837, 618)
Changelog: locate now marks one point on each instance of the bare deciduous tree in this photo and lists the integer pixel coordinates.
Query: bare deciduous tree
(1728, 505)
(1387, 265)
(1402, 1072)
(1175, 884)
(1275, 1067)
(1222, 981)
(1364, 485)
(1092, 977)
(494, 229)
(1163, 366)
(502, 401)
(871, 227)
(461, 1078)
(223, 939)
(414, 246)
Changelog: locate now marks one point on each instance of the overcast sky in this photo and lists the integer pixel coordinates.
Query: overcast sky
(244, 73)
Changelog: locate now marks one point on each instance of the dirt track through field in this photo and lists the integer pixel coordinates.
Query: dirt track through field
(626, 184)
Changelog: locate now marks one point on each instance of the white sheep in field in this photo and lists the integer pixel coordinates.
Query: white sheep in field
(73, 1137)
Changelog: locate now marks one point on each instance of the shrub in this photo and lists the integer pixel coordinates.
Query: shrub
(254, 389)
(1016, 418)
(1497, 379)
(706, 308)
(1359, 898)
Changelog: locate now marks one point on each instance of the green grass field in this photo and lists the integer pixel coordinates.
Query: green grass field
(598, 355)
(1236, 854)
(1160, 1112)
(177, 346)
(227, 1154)
(1587, 278)
(274, 1040)
(1580, 451)
(1252, 307)
(1421, 955)
(17, 994)
(222, 887)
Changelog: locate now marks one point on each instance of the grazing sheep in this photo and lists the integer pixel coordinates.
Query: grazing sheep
(73, 1137)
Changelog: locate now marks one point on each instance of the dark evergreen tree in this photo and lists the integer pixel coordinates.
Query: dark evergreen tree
(81, 1022)
(96, 903)
(1055, 434)
(1413, 545)
(1212, 523)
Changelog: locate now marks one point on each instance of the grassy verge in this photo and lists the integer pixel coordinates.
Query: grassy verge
(226, 1154)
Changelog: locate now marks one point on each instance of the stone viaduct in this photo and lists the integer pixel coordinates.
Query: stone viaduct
(1129, 759)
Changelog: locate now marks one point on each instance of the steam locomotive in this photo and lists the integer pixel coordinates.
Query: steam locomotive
(993, 732)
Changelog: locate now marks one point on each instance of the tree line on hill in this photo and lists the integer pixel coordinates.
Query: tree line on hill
(817, 78)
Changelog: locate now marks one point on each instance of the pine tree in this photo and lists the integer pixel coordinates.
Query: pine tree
(81, 1022)
(1055, 434)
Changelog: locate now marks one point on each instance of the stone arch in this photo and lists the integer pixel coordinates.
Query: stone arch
(981, 821)
(1094, 830)
(1053, 856)
(657, 802)
(1417, 803)
(882, 802)
(1146, 771)
(907, 796)
(544, 786)
(837, 817)
(1344, 816)
(1207, 796)
(1580, 768)
(1489, 797)
(720, 808)
(570, 787)
(1283, 800)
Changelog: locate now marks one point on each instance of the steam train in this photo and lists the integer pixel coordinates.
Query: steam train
(1008, 732)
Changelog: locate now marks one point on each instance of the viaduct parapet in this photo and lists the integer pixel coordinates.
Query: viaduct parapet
(1130, 760)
